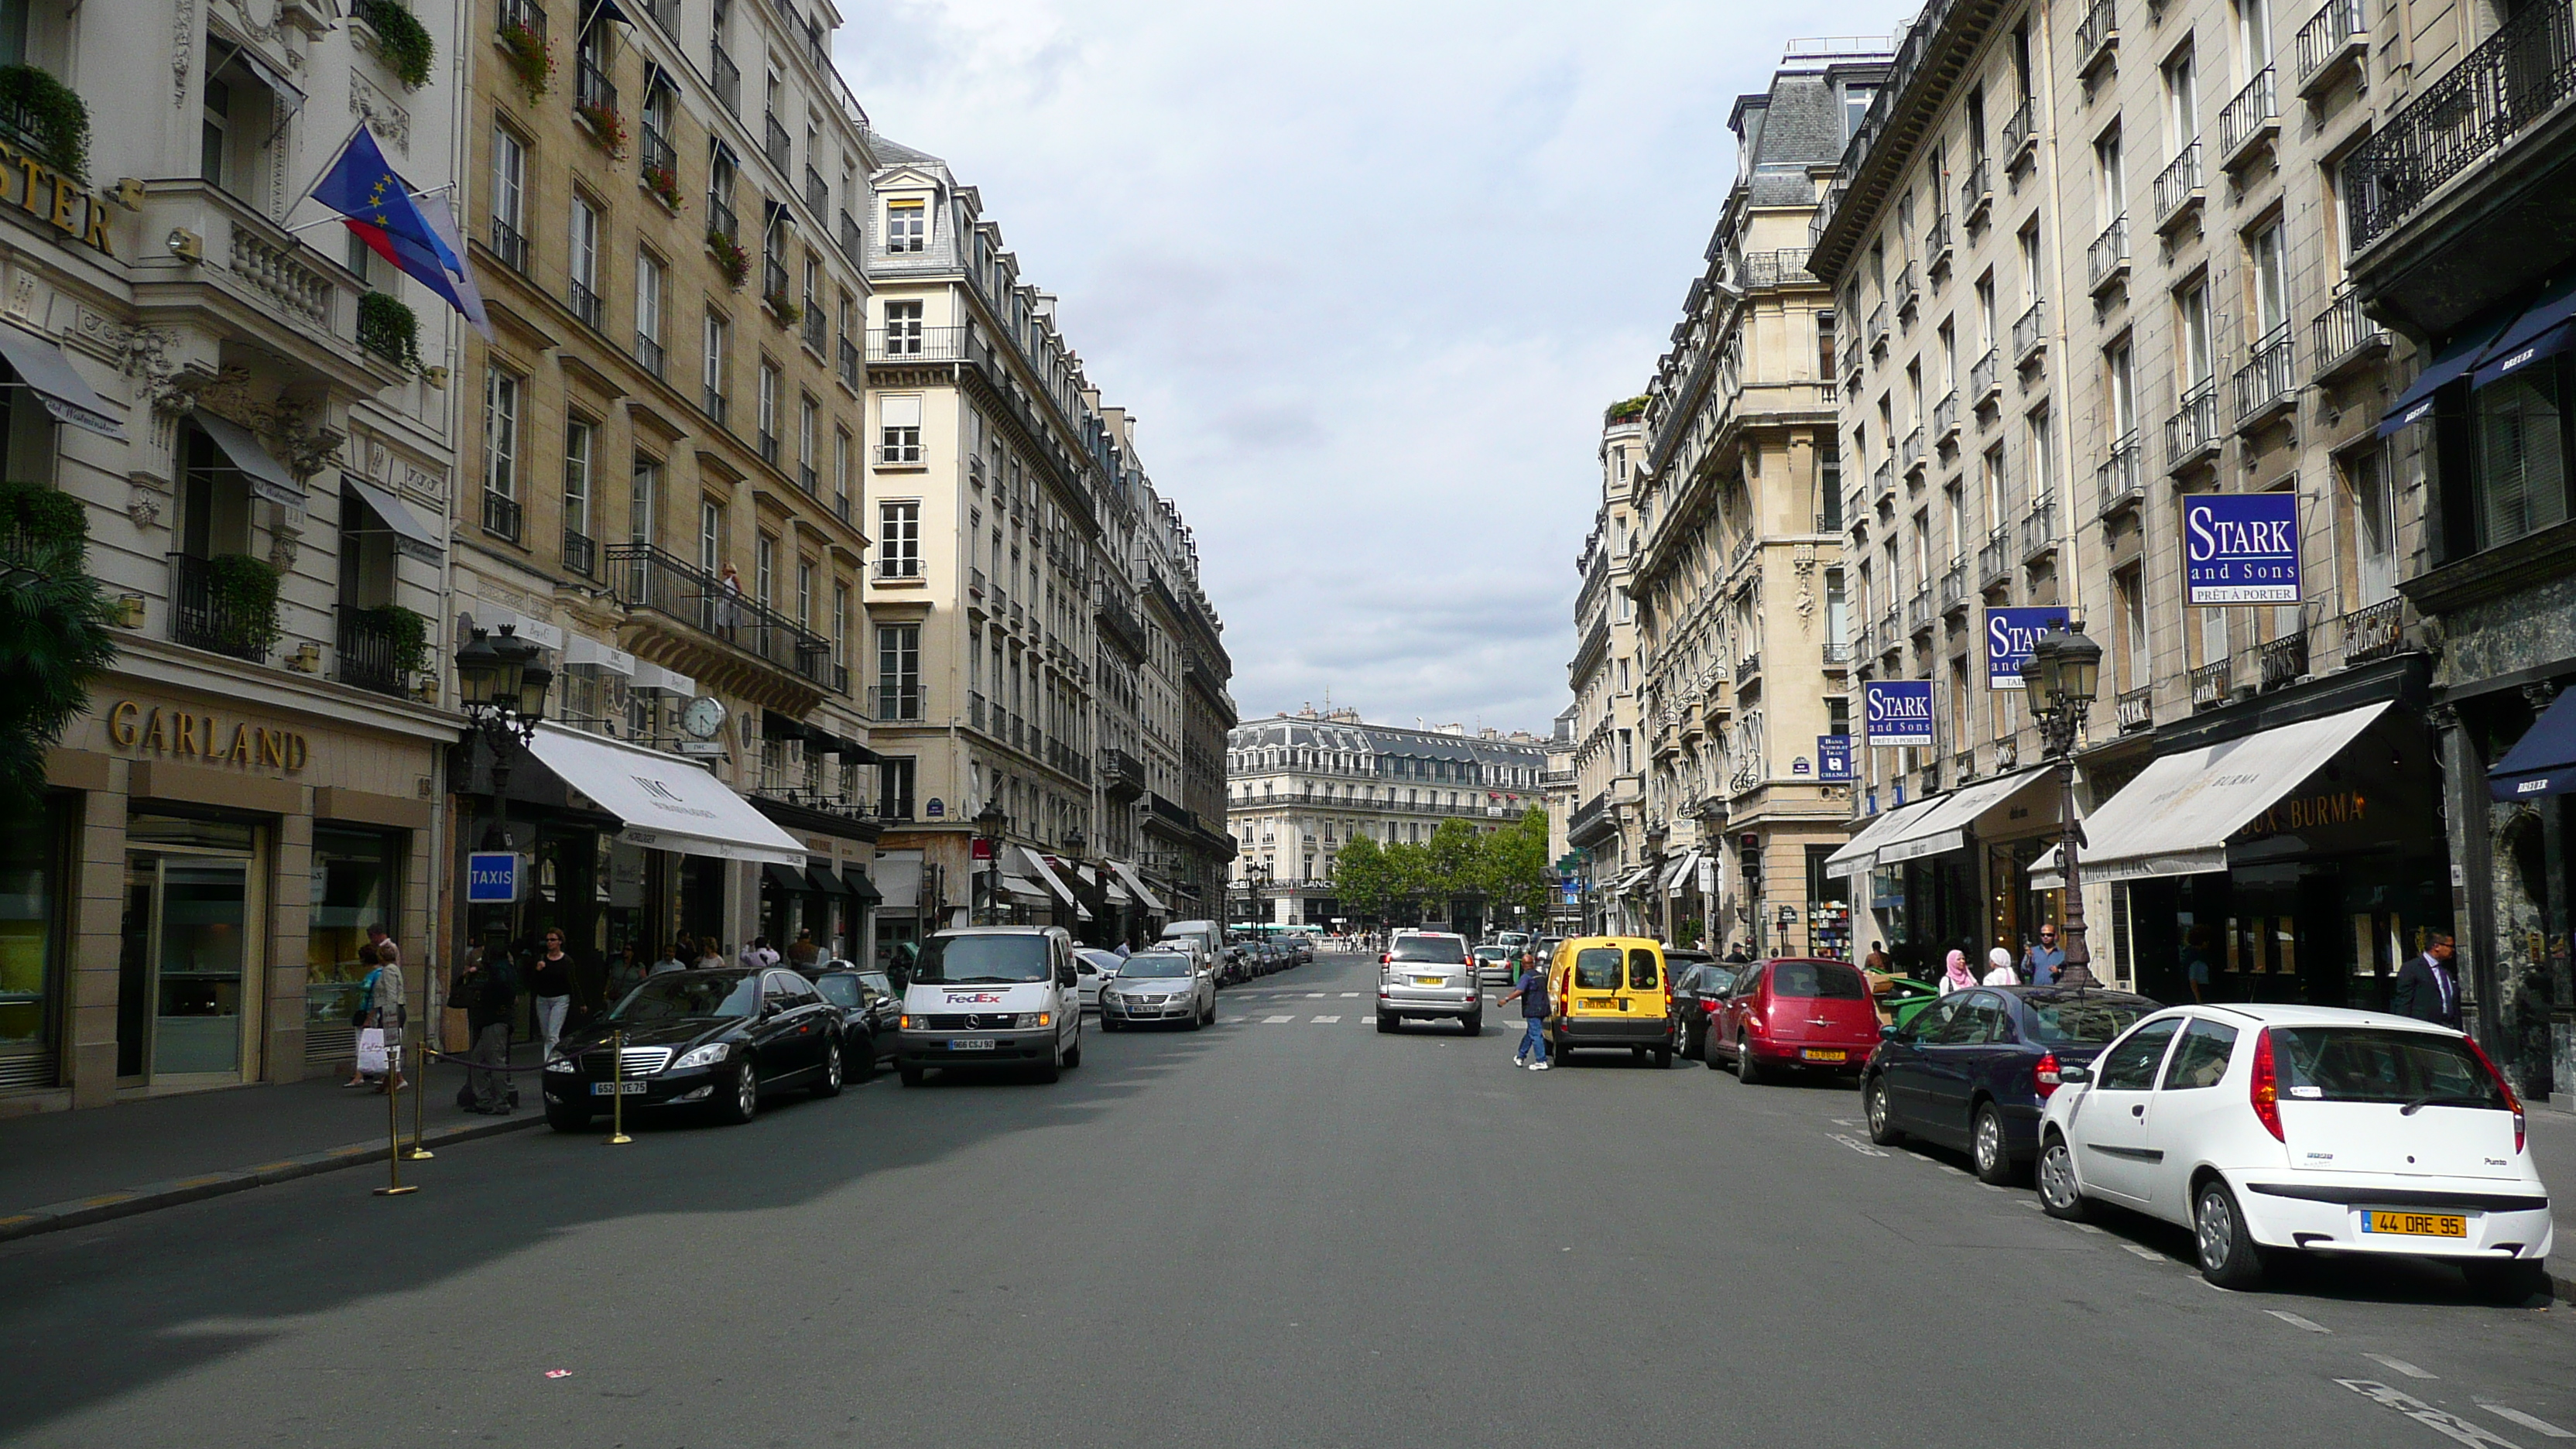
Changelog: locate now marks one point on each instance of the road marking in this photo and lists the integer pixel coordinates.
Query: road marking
(2448, 1425)
(1349, 994)
(1317, 994)
(2150, 1254)
(1855, 1144)
(1275, 1020)
(1327, 1019)
(1845, 1122)
(1990, 1187)
(2399, 1364)
(2026, 1202)
(2533, 1423)
(2088, 1228)
(2295, 1321)
(1368, 1021)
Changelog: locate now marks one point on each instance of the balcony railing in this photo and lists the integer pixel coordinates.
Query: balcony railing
(714, 404)
(1878, 327)
(2285, 661)
(1780, 268)
(646, 577)
(501, 515)
(367, 649)
(1963, 767)
(852, 241)
(591, 87)
(580, 553)
(587, 306)
(720, 217)
(2119, 481)
(1977, 192)
(2039, 526)
(1748, 669)
(2099, 32)
(2178, 186)
(921, 344)
(1945, 416)
(818, 197)
(1891, 630)
(1904, 290)
(817, 332)
(509, 245)
(2374, 632)
(1911, 450)
(654, 153)
(2137, 709)
(2021, 131)
(2029, 331)
(2007, 754)
(1882, 480)
(2334, 35)
(1954, 586)
(526, 14)
(1918, 611)
(2268, 382)
(2193, 429)
(2254, 115)
(1936, 242)
(849, 361)
(1837, 651)
(775, 144)
(2341, 333)
(1995, 558)
(728, 79)
(1985, 376)
(203, 619)
(2107, 259)
(2210, 685)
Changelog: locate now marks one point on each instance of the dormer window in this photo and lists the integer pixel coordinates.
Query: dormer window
(907, 224)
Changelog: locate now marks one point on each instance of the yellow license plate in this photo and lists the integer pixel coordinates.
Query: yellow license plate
(1813, 1055)
(1429, 980)
(2416, 1225)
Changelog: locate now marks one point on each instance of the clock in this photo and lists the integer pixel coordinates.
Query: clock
(703, 716)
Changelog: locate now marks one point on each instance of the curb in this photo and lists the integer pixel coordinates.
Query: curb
(153, 1196)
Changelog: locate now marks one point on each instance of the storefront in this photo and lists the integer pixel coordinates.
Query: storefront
(1949, 873)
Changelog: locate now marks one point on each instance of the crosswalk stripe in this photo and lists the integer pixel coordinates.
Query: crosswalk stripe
(2401, 1365)
(1327, 1018)
(1275, 1020)
(2532, 1422)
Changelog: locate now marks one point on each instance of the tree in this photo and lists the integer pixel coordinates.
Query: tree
(56, 633)
(1361, 876)
(1512, 865)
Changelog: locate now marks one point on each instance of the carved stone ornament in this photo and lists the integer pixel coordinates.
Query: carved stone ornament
(1806, 601)
(143, 505)
(383, 115)
(183, 41)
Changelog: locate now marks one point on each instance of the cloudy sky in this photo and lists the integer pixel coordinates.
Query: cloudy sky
(1366, 271)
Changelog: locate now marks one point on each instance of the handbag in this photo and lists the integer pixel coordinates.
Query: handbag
(371, 1051)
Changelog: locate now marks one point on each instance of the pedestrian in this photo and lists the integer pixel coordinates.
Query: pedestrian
(1531, 992)
(1999, 968)
(1123, 951)
(2426, 988)
(364, 1016)
(387, 1011)
(550, 982)
(486, 992)
(625, 972)
(677, 960)
(2040, 962)
(802, 952)
(1736, 954)
(2195, 962)
(383, 941)
(758, 954)
(710, 955)
(1877, 959)
(1954, 974)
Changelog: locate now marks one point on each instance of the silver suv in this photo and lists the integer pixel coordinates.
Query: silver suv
(1427, 974)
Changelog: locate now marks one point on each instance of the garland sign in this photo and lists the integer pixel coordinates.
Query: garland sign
(2240, 548)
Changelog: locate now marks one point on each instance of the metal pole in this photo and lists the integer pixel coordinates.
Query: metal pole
(2078, 967)
(393, 1135)
(419, 1097)
(617, 1090)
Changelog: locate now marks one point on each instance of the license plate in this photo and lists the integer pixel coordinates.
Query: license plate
(1811, 1054)
(1430, 980)
(617, 1089)
(970, 1046)
(2416, 1225)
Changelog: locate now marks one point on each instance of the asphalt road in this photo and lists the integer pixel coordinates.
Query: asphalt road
(1288, 1230)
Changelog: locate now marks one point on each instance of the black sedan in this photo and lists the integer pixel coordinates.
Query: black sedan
(718, 1038)
(1699, 988)
(870, 1010)
(1975, 1069)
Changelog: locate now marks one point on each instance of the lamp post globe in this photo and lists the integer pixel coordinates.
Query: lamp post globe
(478, 668)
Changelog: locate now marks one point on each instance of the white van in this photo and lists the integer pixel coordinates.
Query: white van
(990, 996)
(1208, 937)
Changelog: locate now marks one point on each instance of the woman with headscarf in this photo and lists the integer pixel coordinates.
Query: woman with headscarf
(1954, 974)
(1999, 968)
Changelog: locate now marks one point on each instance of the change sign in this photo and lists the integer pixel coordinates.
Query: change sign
(1899, 711)
(2009, 635)
(1833, 757)
(2240, 548)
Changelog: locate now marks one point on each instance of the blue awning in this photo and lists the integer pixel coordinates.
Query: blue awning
(2467, 348)
(2543, 761)
(2541, 331)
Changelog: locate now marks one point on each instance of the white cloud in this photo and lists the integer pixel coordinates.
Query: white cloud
(1366, 273)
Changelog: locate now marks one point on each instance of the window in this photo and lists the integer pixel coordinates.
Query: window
(894, 788)
(899, 429)
(1829, 484)
(2182, 103)
(2374, 526)
(2130, 1064)
(809, 441)
(2117, 375)
(2271, 294)
(2254, 35)
(1956, 502)
(1856, 101)
(767, 409)
(2200, 1060)
(583, 264)
(899, 540)
(903, 329)
(907, 224)
(714, 365)
(899, 671)
(214, 131)
(643, 498)
(840, 623)
(2032, 288)
(764, 570)
(1837, 608)
(2043, 455)
(581, 441)
(648, 312)
(2521, 468)
(711, 536)
(501, 389)
(841, 472)
(2192, 319)
(805, 593)
(2112, 177)
(1824, 368)
(509, 200)
(1986, 334)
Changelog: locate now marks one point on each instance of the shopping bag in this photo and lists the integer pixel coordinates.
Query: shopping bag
(456, 1033)
(371, 1051)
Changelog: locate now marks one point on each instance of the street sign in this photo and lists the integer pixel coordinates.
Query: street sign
(1833, 757)
(2240, 548)
(2009, 635)
(1899, 711)
(491, 878)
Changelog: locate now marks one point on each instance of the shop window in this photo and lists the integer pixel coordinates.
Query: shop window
(2520, 473)
(354, 878)
(31, 961)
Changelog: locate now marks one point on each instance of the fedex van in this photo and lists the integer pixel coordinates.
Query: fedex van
(992, 996)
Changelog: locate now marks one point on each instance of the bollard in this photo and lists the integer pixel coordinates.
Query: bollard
(393, 1134)
(419, 1097)
(617, 1091)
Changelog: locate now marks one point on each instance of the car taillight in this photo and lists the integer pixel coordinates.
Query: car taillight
(2043, 1075)
(1753, 1018)
(2264, 1089)
(2510, 1100)
(1712, 1007)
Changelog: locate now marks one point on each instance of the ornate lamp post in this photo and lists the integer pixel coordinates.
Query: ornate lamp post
(990, 822)
(503, 690)
(2059, 681)
(1072, 844)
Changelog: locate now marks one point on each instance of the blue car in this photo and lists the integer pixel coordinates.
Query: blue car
(1974, 1069)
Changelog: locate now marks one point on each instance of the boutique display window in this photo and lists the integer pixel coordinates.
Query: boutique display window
(355, 884)
(31, 955)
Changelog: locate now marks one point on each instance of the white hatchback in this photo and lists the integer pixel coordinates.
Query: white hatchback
(2276, 1129)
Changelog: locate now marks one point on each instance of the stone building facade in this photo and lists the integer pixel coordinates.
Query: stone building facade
(1605, 825)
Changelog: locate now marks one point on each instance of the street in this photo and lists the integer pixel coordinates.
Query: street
(1286, 1230)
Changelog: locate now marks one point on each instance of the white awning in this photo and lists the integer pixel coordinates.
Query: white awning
(1859, 852)
(591, 655)
(1945, 825)
(1127, 873)
(1021, 886)
(413, 538)
(654, 679)
(2174, 819)
(664, 803)
(1680, 872)
(1631, 880)
(267, 477)
(43, 370)
(1054, 883)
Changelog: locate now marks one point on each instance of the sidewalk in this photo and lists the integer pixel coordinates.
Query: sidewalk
(63, 1169)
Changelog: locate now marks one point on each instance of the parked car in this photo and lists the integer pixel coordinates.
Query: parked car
(1610, 991)
(1699, 993)
(2273, 1130)
(1795, 1011)
(993, 996)
(1159, 988)
(1093, 969)
(1427, 976)
(1496, 965)
(723, 1038)
(871, 1013)
(1975, 1069)
(1301, 948)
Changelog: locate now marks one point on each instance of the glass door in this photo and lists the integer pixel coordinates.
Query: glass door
(181, 1011)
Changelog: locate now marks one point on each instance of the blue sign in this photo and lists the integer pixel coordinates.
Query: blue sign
(1834, 757)
(2009, 635)
(2240, 548)
(1899, 712)
(491, 878)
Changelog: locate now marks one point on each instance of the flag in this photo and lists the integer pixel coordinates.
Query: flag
(376, 204)
(465, 296)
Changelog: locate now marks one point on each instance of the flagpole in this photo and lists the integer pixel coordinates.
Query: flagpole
(438, 190)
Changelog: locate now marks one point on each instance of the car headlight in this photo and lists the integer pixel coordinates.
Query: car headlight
(705, 1056)
(1028, 1019)
(562, 1064)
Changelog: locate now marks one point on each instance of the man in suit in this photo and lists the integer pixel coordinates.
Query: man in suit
(2426, 988)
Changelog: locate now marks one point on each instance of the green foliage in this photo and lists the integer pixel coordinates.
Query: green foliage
(731, 259)
(410, 631)
(387, 328)
(1625, 412)
(36, 522)
(56, 634)
(530, 58)
(401, 39)
(1508, 867)
(49, 114)
(243, 591)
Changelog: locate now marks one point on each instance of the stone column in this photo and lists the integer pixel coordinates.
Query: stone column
(97, 943)
(2465, 827)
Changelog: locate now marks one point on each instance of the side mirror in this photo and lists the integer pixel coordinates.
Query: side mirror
(1893, 1033)
(2073, 1073)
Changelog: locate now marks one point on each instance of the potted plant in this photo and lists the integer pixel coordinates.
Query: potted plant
(784, 308)
(387, 328)
(664, 183)
(51, 113)
(605, 126)
(731, 258)
(243, 591)
(400, 40)
(530, 58)
(409, 630)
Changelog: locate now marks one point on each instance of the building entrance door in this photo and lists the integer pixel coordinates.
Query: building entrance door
(182, 1008)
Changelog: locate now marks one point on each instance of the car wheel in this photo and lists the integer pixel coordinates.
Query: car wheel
(2060, 1195)
(1708, 1051)
(1053, 1067)
(1387, 1021)
(567, 1116)
(908, 1074)
(1108, 1022)
(1073, 1053)
(2512, 1284)
(829, 1083)
(743, 1103)
(1881, 1113)
(1986, 1146)
(2228, 1257)
(1747, 1070)
(1474, 1025)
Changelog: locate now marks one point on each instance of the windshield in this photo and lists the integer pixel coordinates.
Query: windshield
(982, 960)
(1490, 953)
(681, 996)
(838, 990)
(1596, 968)
(2359, 1064)
(1442, 950)
(2067, 1023)
(1155, 966)
(1818, 981)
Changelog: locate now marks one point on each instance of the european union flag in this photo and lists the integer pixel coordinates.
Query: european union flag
(377, 204)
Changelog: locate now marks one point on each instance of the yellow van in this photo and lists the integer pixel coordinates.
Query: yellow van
(1611, 991)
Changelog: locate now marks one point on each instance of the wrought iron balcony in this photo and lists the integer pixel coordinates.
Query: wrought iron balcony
(1878, 328)
(2137, 709)
(1838, 652)
(1936, 242)
(849, 361)
(1985, 376)
(519, 14)
(818, 197)
(1945, 417)
(367, 649)
(1963, 767)
(2254, 115)
(2268, 382)
(921, 344)
(655, 159)
(1904, 291)
(1748, 669)
(2179, 186)
(1977, 192)
(720, 217)
(1954, 586)
(2119, 482)
(728, 81)
(2021, 132)
(1781, 268)
(510, 246)
(775, 143)
(201, 618)
(1882, 481)
(1995, 559)
(587, 306)
(501, 515)
(2343, 335)
(2210, 685)
(647, 578)
(2039, 527)
(580, 553)
(2097, 36)
(2107, 259)
(1911, 450)
(592, 88)
(2374, 632)
(2337, 36)
(2192, 434)
(2285, 661)
(2029, 332)
(1918, 612)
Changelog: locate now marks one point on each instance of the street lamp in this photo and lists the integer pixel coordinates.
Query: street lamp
(2059, 681)
(1072, 843)
(503, 690)
(990, 822)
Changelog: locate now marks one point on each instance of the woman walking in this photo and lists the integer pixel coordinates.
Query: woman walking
(387, 1010)
(550, 981)
(1955, 975)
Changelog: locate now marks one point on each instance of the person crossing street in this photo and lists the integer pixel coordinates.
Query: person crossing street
(1531, 991)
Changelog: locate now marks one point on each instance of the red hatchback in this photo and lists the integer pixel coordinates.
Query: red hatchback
(1796, 1012)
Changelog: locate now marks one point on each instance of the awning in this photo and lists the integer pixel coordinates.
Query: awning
(290, 99)
(821, 878)
(2543, 330)
(787, 878)
(1632, 880)
(43, 370)
(412, 537)
(654, 679)
(2543, 761)
(664, 803)
(857, 883)
(2465, 351)
(1021, 886)
(1860, 852)
(2174, 819)
(1054, 883)
(597, 658)
(268, 477)
(1943, 825)
(1127, 873)
(1680, 872)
